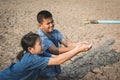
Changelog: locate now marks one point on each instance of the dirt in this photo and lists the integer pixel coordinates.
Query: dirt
(102, 62)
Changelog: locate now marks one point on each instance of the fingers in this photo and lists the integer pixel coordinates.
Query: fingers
(90, 45)
(86, 46)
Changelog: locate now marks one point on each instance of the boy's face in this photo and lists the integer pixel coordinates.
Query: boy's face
(47, 25)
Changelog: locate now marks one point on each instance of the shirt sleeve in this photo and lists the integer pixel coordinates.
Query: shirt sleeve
(39, 62)
(60, 36)
(47, 44)
(46, 54)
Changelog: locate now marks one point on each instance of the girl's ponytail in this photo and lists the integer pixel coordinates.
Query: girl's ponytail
(20, 55)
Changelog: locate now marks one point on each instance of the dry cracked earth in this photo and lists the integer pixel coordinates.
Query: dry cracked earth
(102, 62)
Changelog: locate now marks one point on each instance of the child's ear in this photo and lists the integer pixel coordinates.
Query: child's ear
(30, 49)
(39, 25)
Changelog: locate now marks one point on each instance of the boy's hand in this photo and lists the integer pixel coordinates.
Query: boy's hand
(81, 42)
(84, 46)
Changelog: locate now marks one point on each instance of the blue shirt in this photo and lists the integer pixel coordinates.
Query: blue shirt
(27, 68)
(55, 39)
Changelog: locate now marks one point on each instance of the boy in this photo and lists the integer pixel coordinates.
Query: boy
(51, 38)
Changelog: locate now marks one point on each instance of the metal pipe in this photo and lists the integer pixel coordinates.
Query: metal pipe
(108, 21)
(101, 21)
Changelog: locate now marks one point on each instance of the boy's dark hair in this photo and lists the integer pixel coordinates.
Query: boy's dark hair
(44, 14)
(28, 40)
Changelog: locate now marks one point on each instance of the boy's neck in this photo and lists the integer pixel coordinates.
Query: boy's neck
(48, 34)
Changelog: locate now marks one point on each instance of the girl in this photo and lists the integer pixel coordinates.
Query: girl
(32, 59)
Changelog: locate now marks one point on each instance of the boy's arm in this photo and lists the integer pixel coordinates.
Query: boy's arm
(67, 43)
(59, 59)
(58, 50)
(68, 46)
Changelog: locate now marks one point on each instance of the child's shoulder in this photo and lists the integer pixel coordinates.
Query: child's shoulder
(56, 31)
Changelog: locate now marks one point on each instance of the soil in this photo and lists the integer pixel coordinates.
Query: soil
(102, 62)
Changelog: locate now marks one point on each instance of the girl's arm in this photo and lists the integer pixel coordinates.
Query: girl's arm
(59, 59)
(55, 50)
(68, 46)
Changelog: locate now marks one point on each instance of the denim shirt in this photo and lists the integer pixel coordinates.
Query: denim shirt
(55, 39)
(27, 68)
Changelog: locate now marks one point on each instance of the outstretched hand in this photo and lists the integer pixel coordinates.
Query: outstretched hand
(83, 46)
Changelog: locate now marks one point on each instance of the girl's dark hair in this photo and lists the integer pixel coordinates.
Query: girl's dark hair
(44, 14)
(28, 40)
